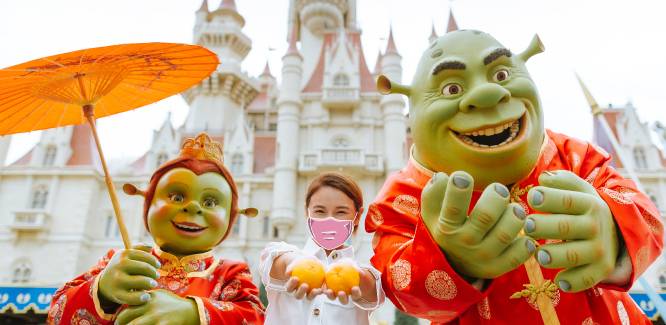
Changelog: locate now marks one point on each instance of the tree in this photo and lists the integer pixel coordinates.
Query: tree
(404, 319)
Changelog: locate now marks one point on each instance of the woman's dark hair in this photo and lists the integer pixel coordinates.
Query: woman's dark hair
(339, 182)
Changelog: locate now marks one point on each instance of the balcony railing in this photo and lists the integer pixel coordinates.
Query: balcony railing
(340, 97)
(341, 157)
(29, 220)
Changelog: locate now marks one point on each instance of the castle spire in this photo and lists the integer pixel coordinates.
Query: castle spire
(378, 62)
(204, 6)
(452, 26)
(228, 4)
(292, 41)
(594, 107)
(390, 46)
(433, 33)
(267, 70)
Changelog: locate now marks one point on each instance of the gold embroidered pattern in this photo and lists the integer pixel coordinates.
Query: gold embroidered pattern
(440, 285)
(55, 313)
(401, 274)
(222, 305)
(616, 196)
(653, 223)
(589, 321)
(406, 204)
(532, 292)
(83, 317)
(622, 313)
(592, 176)
(483, 307)
(642, 256)
(375, 215)
(230, 291)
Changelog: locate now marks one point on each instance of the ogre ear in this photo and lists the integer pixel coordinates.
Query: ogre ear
(385, 86)
(130, 189)
(249, 212)
(535, 47)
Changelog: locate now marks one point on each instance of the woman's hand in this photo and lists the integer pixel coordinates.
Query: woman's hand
(365, 292)
(307, 281)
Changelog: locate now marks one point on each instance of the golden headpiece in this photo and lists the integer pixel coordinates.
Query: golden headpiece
(202, 147)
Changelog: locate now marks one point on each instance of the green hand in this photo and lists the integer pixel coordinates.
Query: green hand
(164, 308)
(484, 245)
(582, 220)
(127, 277)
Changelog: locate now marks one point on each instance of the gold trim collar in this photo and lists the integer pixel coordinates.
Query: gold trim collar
(191, 264)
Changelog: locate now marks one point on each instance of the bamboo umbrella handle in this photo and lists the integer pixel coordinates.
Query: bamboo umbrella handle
(90, 116)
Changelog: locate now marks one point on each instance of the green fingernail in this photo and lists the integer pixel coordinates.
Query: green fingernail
(159, 265)
(460, 182)
(153, 283)
(519, 212)
(530, 225)
(543, 257)
(530, 246)
(145, 297)
(564, 285)
(502, 190)
(537, 197)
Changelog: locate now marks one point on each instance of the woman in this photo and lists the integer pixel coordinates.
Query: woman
(334, 202)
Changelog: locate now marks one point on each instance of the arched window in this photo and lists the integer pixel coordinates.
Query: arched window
(50, 155)
(39, 198)
(341, 80)
(662, 281)
(22, 272)
(161, 159)
(639, 158)
(237, 164)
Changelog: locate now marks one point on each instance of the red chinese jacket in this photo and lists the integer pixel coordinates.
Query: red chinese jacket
(418, 279)
(223, 291)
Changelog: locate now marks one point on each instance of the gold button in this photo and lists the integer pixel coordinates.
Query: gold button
(316, 311)
(335, 255)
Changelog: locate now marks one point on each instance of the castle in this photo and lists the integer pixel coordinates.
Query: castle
(325, 114)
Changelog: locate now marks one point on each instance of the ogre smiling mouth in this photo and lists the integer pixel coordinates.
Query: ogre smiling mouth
(494, 136)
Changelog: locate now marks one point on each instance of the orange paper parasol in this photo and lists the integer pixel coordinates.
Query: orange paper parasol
(80, 86)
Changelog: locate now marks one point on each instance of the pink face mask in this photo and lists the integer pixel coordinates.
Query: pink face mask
(330, 233)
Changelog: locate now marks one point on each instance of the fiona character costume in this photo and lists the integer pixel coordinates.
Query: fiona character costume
(189, 208)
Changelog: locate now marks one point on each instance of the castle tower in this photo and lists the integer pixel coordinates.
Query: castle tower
(289, 109)
(433, 34)
(395, 131)
(217, 102)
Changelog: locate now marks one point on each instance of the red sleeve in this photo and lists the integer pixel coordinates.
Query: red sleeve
(636, 216)
(77, 300)
(415, 273)
(237, 302)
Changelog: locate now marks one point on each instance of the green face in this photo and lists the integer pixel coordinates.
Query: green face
(475, 108)
(189, 213)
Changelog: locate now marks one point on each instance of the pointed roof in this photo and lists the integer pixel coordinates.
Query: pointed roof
(390, 46)
(353, 38)
(228, 4)
(452, 26)
(292, 41)
(378, 62)
(204, 6)
(588, 96)
(433, 32)
(267, 70)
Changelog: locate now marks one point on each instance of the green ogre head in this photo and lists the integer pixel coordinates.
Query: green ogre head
(474, 107)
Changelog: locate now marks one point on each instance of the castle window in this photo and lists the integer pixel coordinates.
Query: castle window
(50, 155)
(662, 281)
(22, 273)
(39, 198)
(340, 142)
(265, 227)
(639, 158)
(237, 164)
(161, 159)
(111, 228)
(341, 80)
